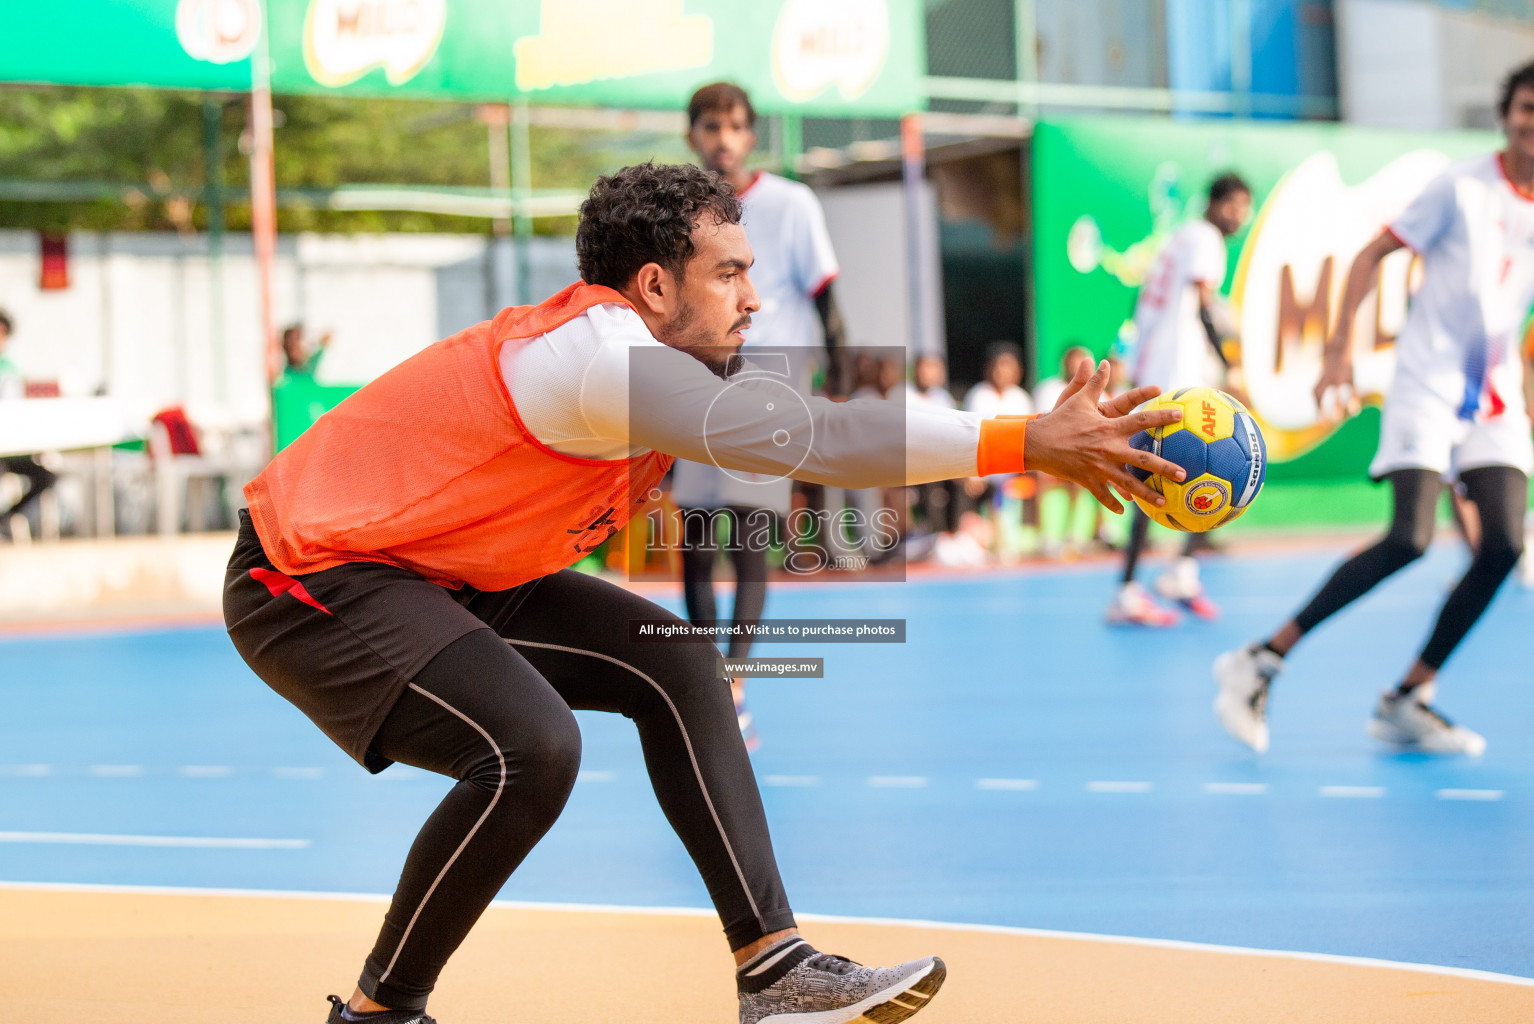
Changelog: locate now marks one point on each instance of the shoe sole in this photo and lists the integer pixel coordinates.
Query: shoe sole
(891, 1006)
(1393, 736)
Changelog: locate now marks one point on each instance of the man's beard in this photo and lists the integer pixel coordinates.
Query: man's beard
(683, 333)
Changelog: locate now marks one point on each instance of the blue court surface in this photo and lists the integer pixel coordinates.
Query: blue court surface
(1015, 762)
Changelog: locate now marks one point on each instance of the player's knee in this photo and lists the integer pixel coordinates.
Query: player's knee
(543, 766)
(552, 762)
(696, 676)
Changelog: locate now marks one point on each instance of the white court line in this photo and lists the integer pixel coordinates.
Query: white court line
(1236, 788)
(1104, 786)
(299, 773)
(801, 781)
(197, 842)
(1007, 784)
(28, 771)
(897, 781)
(1470, 794)
(890, 922)
(117, 771)
(595, 776)
(1353, 792)
(205, 771)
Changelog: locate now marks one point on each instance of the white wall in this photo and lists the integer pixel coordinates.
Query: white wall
(868, 230)
(138, 318)
(1415, 65)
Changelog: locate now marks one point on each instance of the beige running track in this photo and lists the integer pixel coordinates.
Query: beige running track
(72, 957)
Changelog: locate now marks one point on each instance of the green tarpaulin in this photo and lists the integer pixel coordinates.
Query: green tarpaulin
(835, 57)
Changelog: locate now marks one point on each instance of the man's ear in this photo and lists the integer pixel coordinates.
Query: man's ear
(655, 289)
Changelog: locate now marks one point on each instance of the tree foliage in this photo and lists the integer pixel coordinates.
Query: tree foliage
(155, 144)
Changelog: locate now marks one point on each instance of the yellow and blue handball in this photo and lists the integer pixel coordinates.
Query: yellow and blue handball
(1220, 448)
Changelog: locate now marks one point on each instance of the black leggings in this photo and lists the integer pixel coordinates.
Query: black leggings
(495, 714)
(1500, 494)
(38, 478)
(748, 550)
(1139, 526)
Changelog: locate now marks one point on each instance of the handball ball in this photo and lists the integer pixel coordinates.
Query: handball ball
(1220, 448)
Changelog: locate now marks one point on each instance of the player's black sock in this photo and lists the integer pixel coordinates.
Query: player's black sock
(1268, 646)
(764, 969)
(340, 1011)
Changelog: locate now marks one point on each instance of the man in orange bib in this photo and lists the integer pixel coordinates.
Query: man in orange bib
(402, 575)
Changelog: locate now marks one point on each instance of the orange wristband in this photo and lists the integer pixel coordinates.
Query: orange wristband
(1001, 445)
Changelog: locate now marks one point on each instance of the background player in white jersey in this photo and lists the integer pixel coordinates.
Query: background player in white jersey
(794, 269)
(1179, 347)
(1455, 407)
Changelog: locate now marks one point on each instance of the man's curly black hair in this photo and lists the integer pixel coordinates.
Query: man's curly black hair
(646, 214)
(1518, 78)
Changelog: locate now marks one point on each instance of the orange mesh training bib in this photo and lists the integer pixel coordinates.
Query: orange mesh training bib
(431, 469)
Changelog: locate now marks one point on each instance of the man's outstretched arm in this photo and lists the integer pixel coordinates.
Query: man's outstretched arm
(757, 424)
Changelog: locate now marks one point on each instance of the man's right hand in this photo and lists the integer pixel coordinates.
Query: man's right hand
(1336, 397)
(1086, 440)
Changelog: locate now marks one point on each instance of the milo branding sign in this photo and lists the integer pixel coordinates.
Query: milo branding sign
(820, 43)
(1109, 192)
(218, 31)
(345, 39)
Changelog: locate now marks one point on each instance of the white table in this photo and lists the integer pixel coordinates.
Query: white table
(31, 425)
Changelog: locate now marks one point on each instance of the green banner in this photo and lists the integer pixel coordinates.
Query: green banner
(1108, 191)
(830, 57)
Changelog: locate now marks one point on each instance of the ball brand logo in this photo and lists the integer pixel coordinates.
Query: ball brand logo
(218, 31)
(820, 43)
(345, 39)
(1208, 422)
(1206, 497)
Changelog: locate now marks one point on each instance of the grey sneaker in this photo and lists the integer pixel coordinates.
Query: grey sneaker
(1410, 720)
(826, 989)
(380, 1017)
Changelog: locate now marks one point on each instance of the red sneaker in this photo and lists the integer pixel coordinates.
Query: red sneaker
(1134, 607)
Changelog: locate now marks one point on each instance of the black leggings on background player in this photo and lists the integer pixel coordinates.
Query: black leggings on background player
(747, 531)
(1500, 495)
(1139, 529)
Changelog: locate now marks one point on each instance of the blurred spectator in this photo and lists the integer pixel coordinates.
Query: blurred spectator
(1047, 392)
(36, 479)
(1015, 512)
(999, 394)
(1067, 521)
(298, 358)
(936, 504)
(931, 386)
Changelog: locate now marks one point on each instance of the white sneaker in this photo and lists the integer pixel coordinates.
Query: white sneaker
(1410, 720)
(1181, 583)
(1180, 580)
(1244, 676)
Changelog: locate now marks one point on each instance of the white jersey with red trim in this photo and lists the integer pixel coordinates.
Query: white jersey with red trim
(1475, 233)
(1173, 349)
(601, 387)
(794, 260)
(787, 231)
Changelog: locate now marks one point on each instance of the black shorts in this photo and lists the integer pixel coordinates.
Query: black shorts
(342, 644)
